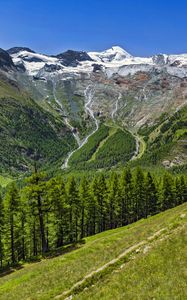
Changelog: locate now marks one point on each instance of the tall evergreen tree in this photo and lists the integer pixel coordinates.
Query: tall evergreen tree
(100, 194)
(12, 216)
(168, 195)
(39, 205)
(84, 196)
(151, 196)
(73, 202)
(113, 200)
(56, 194)
(92, 208)
(181, 190)
(126, 197)
(139, 194)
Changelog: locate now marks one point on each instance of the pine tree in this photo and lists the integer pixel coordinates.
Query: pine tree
(100, 194)
(58, 199)
(113, 200)
(168, 195)
(12, 219)
(73, 202)
(139, 194)
(84, 196)
(151, 196)
(92, 208)
(39, 205)
(181, 190)
(126, 198)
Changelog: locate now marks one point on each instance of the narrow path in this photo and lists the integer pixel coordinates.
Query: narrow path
(88, 278)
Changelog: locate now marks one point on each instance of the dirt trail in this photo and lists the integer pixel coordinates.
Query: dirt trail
(67, 294)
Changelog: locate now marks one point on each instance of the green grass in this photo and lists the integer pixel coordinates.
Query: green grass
(50, 277)
(161, 273)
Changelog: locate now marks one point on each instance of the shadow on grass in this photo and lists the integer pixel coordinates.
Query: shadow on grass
(51, 254)
(10, 269)
(64, 249)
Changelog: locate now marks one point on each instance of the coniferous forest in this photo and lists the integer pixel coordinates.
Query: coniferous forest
(45, 214)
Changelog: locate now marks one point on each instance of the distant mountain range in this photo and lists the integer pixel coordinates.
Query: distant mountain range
(114, 60)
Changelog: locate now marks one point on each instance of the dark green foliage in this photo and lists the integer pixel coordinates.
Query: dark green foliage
(168, 192)
(118, 148)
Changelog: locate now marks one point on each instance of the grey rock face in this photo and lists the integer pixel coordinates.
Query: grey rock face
(72, 58)
(5, 60)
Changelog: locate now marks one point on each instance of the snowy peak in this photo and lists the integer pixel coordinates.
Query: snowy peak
(114, 54)
(30, 61)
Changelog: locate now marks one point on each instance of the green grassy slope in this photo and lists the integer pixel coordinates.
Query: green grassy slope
(141, 244)
(158, 272)
(28, 133)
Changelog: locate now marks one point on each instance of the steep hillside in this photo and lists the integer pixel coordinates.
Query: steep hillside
(166, 140)
(28, 133)
(145, 259)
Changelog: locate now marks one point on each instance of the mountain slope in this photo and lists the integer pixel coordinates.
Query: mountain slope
(79, 91)
(166, 140)
(28, 133)
(121, 254)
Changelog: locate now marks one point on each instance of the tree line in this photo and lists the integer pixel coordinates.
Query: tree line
(47, 214)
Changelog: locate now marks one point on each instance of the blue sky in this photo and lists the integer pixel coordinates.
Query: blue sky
(142, 27)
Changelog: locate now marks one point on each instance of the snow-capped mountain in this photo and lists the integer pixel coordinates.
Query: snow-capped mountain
(115, 54)
(112, 71)
(112, 61)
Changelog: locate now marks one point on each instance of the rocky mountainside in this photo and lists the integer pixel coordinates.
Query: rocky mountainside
(83, 90)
